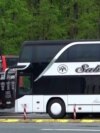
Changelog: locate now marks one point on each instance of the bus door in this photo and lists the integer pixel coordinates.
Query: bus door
(23, 92)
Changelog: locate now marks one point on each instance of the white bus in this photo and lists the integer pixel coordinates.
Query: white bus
(58, 75)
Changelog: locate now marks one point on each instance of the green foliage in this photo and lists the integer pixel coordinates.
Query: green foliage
(47, 19)
(14, 21)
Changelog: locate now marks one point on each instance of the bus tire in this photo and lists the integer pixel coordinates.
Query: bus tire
(56, 108)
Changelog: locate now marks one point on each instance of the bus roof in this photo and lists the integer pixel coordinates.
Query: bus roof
(53, 42)
(45, 42)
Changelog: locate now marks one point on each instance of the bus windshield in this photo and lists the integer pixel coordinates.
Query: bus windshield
(39, 53)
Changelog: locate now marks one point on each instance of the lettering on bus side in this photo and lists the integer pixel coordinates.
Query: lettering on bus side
(87, 69)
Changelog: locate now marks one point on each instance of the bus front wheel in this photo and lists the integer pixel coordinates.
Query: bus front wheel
(56, 108)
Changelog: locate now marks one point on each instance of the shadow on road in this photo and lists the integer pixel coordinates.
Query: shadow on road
(84, 116)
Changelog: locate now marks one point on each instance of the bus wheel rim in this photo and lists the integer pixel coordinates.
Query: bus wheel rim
(56, 108)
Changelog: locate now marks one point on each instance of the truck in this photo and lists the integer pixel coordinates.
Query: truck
(7, 86)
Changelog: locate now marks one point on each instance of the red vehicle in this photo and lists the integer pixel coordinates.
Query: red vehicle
(8, 61)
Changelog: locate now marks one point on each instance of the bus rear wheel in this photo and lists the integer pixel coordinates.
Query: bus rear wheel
(56, 108)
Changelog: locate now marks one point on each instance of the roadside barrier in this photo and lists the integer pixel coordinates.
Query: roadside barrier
(74, 112)
(25, 112)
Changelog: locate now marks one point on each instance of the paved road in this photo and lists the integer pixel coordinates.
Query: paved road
(45, 124)
(49, 128)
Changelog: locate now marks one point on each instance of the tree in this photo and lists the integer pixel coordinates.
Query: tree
(14, 22)
(46, 23)
(82, 19)
(47, 19)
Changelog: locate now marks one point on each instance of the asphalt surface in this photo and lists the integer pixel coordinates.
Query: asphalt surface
(11, 122)
(49, 127)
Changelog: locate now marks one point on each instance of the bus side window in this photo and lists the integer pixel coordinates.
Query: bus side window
(24, 85)
(81, 53)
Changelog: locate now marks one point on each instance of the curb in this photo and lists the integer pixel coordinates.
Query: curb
(49, 121)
